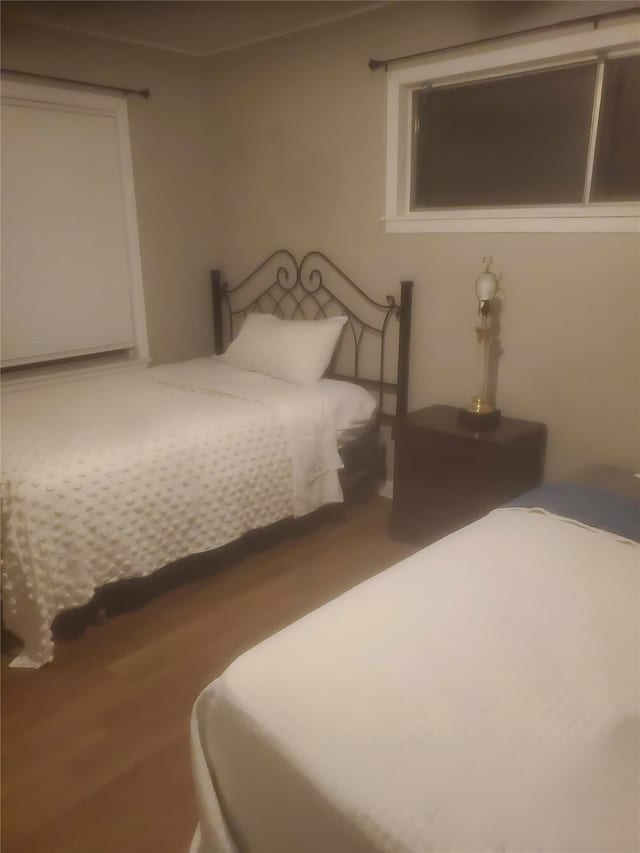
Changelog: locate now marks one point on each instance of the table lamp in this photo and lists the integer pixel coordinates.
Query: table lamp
(482, 414)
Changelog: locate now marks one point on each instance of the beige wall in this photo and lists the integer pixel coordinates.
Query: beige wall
(175, 185)
(300, 151)
(283, 144)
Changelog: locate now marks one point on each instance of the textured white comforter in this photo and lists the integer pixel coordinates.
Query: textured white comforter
(116, 476)
(482, 695)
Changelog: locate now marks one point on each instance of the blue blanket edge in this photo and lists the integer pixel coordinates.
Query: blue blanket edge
(619, 514)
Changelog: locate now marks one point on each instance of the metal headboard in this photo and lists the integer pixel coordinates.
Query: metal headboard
(291, 290)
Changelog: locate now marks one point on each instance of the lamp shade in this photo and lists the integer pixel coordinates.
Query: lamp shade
(486, 286)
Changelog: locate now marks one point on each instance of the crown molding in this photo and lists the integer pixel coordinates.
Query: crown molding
(364, 8)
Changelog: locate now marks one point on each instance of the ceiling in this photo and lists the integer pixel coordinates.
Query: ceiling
(184, 26)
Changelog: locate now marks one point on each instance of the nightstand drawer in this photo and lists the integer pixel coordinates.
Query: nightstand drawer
(439, 454)
(432, 498)
(446, 478)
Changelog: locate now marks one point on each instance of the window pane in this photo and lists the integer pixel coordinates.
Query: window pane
(518, 140)
(616, 175)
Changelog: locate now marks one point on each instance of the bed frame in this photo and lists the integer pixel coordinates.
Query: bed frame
(282, 286)
(289, 289)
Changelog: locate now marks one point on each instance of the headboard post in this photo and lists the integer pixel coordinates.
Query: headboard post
(402, 399)
(216, 292)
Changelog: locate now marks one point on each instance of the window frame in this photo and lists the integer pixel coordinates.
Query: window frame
(520, 55)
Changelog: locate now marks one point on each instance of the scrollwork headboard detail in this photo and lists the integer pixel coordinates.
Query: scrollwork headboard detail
(291, 290)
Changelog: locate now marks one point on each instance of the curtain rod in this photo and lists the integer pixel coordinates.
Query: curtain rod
(143, 93)
(374, 64)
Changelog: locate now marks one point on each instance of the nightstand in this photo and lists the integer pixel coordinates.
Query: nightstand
(447, 476)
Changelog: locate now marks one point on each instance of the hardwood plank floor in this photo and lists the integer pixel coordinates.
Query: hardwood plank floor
(95, 754)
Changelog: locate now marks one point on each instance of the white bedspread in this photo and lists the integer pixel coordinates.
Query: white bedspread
(119, 475)
(482, 695)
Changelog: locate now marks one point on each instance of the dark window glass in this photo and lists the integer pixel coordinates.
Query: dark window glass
(520, 140)
(616, 173)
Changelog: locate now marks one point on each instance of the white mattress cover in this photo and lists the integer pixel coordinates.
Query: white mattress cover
(116, 476)
(482, 695)
(354, 408)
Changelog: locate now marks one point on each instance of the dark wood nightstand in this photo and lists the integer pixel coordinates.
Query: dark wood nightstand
(447, 476)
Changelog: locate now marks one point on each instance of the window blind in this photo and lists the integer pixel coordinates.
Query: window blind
(66, 281)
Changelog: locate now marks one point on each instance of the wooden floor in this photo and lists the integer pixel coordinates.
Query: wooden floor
(95, 754)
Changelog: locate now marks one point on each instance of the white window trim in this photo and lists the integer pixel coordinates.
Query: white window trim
(523, 53)
(42, 375)
(16, 92)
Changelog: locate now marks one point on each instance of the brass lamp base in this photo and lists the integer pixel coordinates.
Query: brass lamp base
(479, 416)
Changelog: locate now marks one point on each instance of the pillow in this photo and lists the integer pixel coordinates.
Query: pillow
(295, 350)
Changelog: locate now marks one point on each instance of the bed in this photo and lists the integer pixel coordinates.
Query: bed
(372, 353)
(118, 475)
(481, 695)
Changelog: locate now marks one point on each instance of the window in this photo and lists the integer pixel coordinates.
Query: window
(534, 136)
(617, 161)
(71, 280)
(511, 140)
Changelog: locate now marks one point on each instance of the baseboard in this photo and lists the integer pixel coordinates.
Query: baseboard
(386, 489)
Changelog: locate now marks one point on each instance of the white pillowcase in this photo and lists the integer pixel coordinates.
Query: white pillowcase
(295, 350)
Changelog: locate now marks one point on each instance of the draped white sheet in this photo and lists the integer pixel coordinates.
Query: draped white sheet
(482, 695)
(116, 476)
